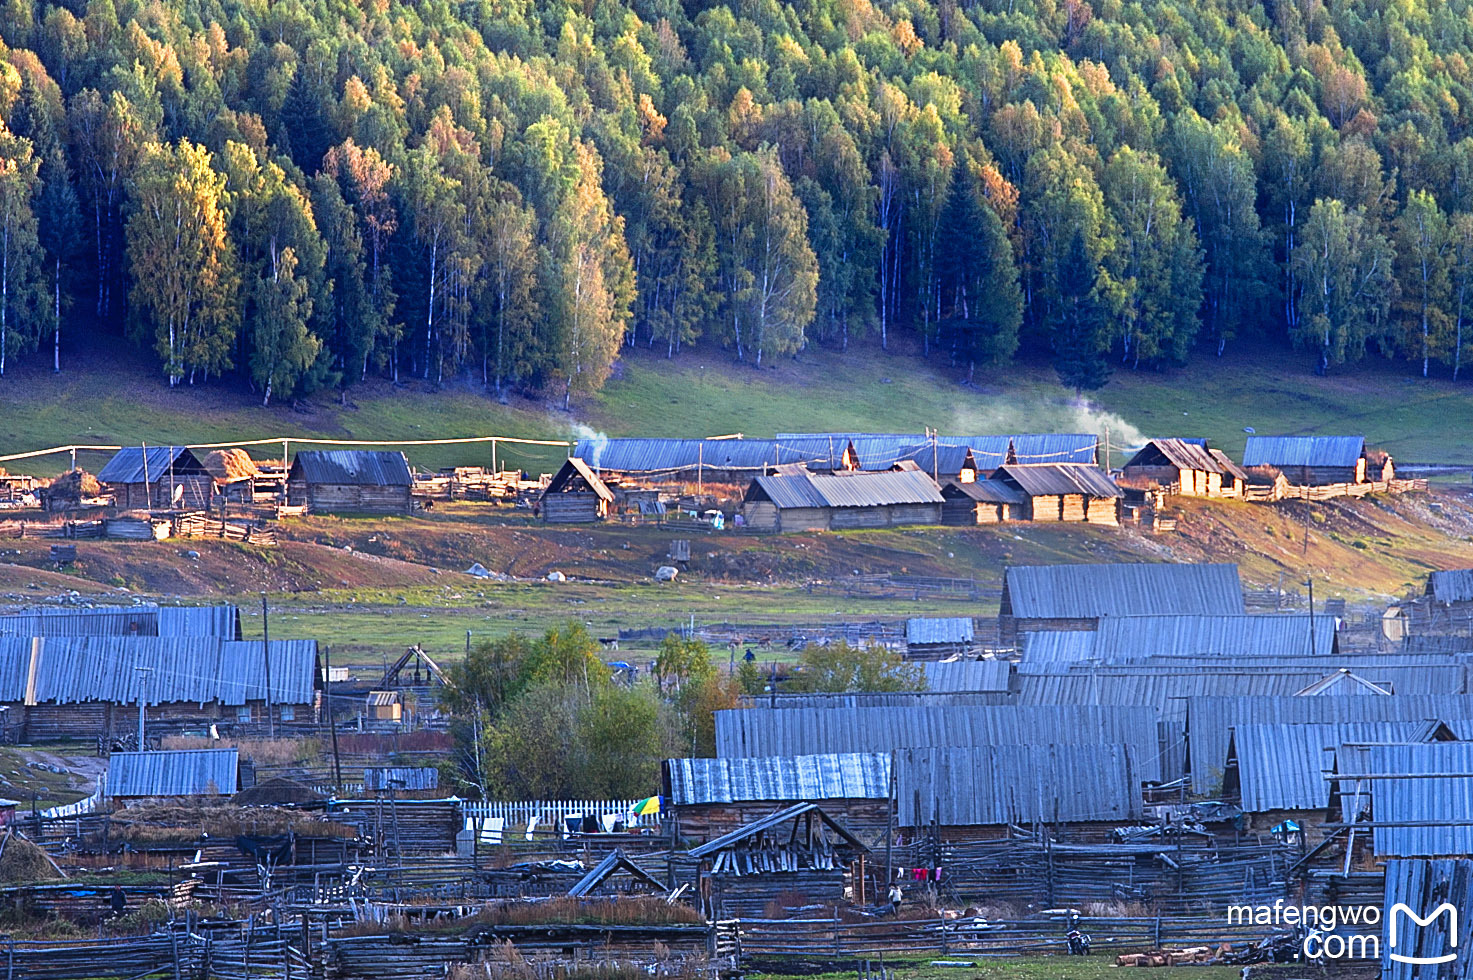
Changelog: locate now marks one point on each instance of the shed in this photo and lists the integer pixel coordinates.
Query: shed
(351, 481)
(1054, 597)
(394, 779)
(1419, 796)
(998, 785)
(576, 495)
(711, 797)
(384, 706)
(1318, 460)
(174, 772)
(157, 478)
(805, 501)
(934, 639)
(1074, 492)
(1184, 466)
(981, 502)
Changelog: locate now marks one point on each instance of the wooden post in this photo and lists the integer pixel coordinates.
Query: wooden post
(337, 762)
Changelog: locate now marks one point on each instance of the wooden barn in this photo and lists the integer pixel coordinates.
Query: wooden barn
(1319, 460)
(1070, 492)
(575, 495)
(157, 478)
(1188, 467)
(804, 501)
(351, 481)
(981, 502)
(711, 797)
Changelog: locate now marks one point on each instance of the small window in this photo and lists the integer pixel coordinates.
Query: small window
(288, 713)
(243, 713)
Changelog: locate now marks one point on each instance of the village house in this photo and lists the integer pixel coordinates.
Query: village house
(575, 495)
(1070, 492)
(982, 502)
(353, 481)
(1187, 467)
(1319, 460)
(805, 501)
(157, 478)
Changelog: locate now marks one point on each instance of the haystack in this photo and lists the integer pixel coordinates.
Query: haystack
(74, 486)
(22, 862)
(276, 792)
(231, 464)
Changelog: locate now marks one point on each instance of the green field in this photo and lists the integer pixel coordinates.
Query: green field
(111, 396)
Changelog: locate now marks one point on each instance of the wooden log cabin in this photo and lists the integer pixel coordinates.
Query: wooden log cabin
(351, 482)
(575, 495)
(981, 502)
(804, 501)
(1188, 467)
(157, 478)
(1068, 492)
(1309, 461)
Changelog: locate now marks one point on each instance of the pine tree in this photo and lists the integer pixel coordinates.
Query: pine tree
(1080, 339)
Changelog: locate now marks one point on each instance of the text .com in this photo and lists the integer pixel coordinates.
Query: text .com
(1320, 922)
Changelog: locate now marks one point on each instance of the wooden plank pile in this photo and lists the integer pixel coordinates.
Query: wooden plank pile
(198, 524)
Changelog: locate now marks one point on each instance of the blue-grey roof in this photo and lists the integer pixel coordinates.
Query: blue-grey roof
(173, 772)
(383, 778)
(131, 463)
(667, 457)
(835, 776)
(1440, 795)
(1079, 447)
(1452, 585)
(1284, 451)
(1123, 639)
(1284, 767)
(145, 620)
(992, 785)
(354, 467)
(849, 489)
(800, 731)
(951, 629)
(196, 670)
(989, 452)
(1211, 720)
(1091, 591)
(1058, 479)
(1424, 887)
(959, 676)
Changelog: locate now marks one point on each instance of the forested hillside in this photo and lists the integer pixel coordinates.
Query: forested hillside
(303, 193)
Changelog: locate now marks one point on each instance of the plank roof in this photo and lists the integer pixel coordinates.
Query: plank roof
(1093, 591)
(221, 620)
(1184, 454)
(131, 463)
(960, 676)
(173, 772)
(1123, 639)
(1425, 886)
(991, 785)
(1451, 585)
(1435, 805)
(985, 492)
(352, 467)
(1284, 451)
(1283, 767)
(922, 630)
(575, 471)
(763, 824)
(831, 776)
(861, 489)
(1055, 479)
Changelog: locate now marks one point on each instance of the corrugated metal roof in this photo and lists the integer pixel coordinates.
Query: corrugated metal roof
(790, 491)
(1284, 451)
(197, 670)
(1441, 795)
(1001, 784)
(1089, 591)
(951, 629)
(885, 699)
(986, 491)
(1452, 585)
(358, 467)
(1283, 767)
(957, 676)
(1053, 479)
(1121, 639)
(130, 464)
(383, 778)
(858, 489)
(1424, 886)
(146, 620)
(1077, 447)
(800, 731)
(175, 772)
(671, 456)
(1211, 720)
(835, 776)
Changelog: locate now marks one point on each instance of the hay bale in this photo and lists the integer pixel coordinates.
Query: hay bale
(22, 863)
(276, 792)
(231, 464)
(74, 486)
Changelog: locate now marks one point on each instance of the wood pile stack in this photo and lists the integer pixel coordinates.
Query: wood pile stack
(202, 525)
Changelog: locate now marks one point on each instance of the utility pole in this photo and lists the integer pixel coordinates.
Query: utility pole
(332, 726)
(142, 706)
(266, 659)
(1310, 583)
